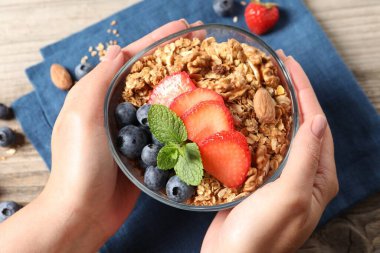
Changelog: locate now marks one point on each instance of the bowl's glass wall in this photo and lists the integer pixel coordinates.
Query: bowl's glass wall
(114, 97)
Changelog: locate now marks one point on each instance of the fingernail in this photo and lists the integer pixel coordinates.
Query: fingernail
(112, 52)
(318, 126)
(281, 53)
(185, 22)
(196, 23)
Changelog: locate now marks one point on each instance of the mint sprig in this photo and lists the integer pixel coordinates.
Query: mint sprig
(168, 156)
(184, 157)
(189, 166)
(165, 125)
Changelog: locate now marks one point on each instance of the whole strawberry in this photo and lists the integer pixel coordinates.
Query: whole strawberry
(261, 17)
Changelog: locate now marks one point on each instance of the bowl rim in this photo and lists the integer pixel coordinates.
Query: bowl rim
(132, 60)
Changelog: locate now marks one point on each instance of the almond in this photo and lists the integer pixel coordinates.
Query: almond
(60, 77)
(263, 105)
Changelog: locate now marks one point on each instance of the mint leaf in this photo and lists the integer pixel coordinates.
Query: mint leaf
(189, 166)
(168, 156)
(168, 128)
(165, 125)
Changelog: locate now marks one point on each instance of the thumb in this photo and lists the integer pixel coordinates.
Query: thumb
(100, 77)
(303, 161)
(91, 90)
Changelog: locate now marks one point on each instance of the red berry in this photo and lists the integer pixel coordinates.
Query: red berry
(187, 100)
(205, 119)
(261, 17)
(171, 87)
(226, 156)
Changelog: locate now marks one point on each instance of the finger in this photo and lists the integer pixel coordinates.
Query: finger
(103, 73)
(152, 37)
(305, 153)
(281, 54)
(309, 105)
(91, 89)
(326, 179)
(200, 34)
(196, 23)
(213, 231)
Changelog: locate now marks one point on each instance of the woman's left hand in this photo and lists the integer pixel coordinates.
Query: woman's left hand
(87, 198)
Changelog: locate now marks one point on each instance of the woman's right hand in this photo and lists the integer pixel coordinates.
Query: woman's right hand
(280, 216)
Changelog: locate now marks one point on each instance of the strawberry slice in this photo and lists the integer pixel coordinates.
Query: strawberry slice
(171, 87)
(186, 100)
(225, 155)
(205, 119)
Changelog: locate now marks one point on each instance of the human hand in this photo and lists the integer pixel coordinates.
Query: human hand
(281, 215)
(87, 198)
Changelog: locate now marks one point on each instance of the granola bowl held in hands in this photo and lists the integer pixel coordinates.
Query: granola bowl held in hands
(254, 85)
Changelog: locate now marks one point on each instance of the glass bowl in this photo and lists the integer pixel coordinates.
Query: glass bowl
(114, 97)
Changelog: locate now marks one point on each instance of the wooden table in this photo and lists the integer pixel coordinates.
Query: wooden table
(27, 25)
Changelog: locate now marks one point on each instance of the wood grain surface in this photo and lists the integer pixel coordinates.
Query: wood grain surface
(27, 25)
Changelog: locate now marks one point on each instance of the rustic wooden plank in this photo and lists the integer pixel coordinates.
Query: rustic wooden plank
(353, 27)
(23, 175)
(27, 25)
(357, 230)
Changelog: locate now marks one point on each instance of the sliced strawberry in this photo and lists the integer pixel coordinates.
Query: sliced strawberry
(205, 119)
(225, 155)
(186, 100)
(171, 87)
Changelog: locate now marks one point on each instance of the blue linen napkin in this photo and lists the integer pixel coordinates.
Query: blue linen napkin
(353, 120)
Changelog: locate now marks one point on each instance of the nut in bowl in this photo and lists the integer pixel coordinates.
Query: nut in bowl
(202, 118)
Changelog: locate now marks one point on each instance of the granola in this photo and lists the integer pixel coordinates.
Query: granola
(237, 71)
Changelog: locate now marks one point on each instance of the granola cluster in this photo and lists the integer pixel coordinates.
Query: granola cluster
(241, 74)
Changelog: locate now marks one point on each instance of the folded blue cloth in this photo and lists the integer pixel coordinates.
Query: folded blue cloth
(153, 227)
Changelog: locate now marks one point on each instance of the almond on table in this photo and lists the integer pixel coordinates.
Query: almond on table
(60, 77)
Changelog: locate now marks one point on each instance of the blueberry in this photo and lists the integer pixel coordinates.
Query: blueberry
(131, 140)
(5, 112)
(223, 7)
(7, 137)
(142, 115)
(82, 69)
(155, 178)
(177, 190)
(155, 141)
(125, 114)
(7, 209)
(149, 154)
